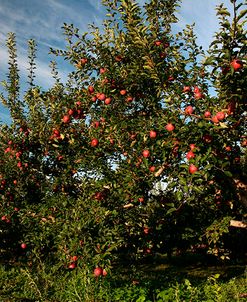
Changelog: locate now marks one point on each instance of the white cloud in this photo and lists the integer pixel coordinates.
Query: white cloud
(42, 21)
(203, 13)
(43, 71)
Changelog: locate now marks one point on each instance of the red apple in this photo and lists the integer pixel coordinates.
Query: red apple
(96, 124)
(102, 70)
(207, 114)
(190, 155)
(141, 199)
(189, 110)
(108, 101)
(70, 111)
(19, 164)
(198, 95)
(237, 64)
(146, 230)
(101, 97)
(197, 89)
(146, 153)
(244, 143)
(8, 149)
(186, 89)
(18, 154)
(169, 127)
(152, 169)
(23, 246)
(152, 134)
(74, 258)
(66, 119)
(90, 89)
(94, 98)
(72, 265)
(220, 116)
(129, 99)
(123, 92)
(94, 142)
(98, 271)
(214, 119)
(158, 43)
(83, 61)
(104, 272)
(193, 169)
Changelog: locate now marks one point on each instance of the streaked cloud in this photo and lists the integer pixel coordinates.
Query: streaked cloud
(43, 71)
(203, 14)
(42, 21)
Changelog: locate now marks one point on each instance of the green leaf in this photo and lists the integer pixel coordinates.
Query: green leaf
(223, 12)
(179, 195)
(223, 125)
(241, 14)
(171, 211)
(210, 60)
(228, 173)
(170, 204)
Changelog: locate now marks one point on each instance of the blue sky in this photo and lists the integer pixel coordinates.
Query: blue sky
(42, 21)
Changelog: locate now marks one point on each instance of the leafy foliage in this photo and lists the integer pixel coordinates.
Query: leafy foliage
(82, 163)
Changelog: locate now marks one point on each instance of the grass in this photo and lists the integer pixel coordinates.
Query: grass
(187, 278)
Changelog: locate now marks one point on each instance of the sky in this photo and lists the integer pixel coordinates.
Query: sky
(42, 21)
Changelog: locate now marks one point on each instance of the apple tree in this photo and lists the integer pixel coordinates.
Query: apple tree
(168, 117)
(142, 150)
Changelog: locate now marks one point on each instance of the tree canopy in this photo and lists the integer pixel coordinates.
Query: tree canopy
(142, 150)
